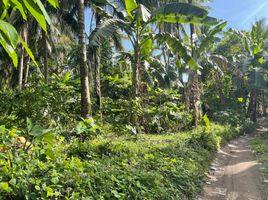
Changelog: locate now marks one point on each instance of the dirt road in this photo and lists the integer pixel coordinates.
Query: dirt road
(235, 173)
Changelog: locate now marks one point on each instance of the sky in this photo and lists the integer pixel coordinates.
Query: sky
(239, 14)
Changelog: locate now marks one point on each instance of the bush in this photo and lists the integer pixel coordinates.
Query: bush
(44, 104)
(234, 118)
(165, 112)
(107, 167)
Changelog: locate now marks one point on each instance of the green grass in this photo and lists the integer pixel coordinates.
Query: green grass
(170, 166)
(260, 146)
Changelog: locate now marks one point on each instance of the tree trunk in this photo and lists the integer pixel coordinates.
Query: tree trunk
(85, 94)
(45, 56)
(24, 35)
(136, 92)
(219, 87)
(97, 77)
(97, 70)
(252, 110)
(194, 86)
(26, 73)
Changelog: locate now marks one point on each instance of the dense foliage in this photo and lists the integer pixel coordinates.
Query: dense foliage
(46, 165)
(83, 118)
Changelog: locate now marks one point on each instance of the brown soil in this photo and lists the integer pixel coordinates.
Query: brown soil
(235, 173)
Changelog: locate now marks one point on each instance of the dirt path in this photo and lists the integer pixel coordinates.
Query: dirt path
(235, 173)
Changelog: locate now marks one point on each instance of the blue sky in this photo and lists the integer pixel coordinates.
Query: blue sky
(239, 14)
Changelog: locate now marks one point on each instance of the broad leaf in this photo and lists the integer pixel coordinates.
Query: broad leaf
(10, 32)
(9, 40)
(9, 49)
(19, 6)
(178, 48)
(210, 38)
(105, 30)
(209, 21)
(142, 14)
(256, 50)
(146, 46)
(5, 2)
(130, 6)
(180, 13)
(36, 12)
(42, 8)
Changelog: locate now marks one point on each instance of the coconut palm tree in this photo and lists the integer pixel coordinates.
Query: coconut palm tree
(85, 94)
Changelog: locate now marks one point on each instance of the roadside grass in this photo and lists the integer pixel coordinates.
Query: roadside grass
(260, 146)
(168, 166)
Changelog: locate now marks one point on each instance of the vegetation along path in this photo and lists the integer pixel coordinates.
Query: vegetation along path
(234, 174)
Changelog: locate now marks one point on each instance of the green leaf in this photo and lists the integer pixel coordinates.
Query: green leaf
(9, 49)
(28, 50)
(178, 48)
(49, 191)
(240, 99)
(192, 64)
(19, 6)
(29, 124)
(4, 186)
(5, 3)
(42, 8)
(256, 50)
(10, 33)
(130, 6)
(106, 30)
(218, 28)
(37, 188)
(50, 153)
(180, 13)
(206, 120)
(209, 21)
(13, 181)
(261, 60)
(209, 40)
(146, 47)
(54, 3)
(4, 14)
(37, 13)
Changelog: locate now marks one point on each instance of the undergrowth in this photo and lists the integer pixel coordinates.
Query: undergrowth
(260, 146)
(46, 166)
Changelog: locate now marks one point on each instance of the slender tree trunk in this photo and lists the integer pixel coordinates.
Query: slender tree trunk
(136, 91)
(98, 70)
(219, 87)
(263, 103)
(26, 73)
(91, 71)
(194, 87)
(21, 66)
(45, 56)
(24, 35)
(85, 94)
(97, 77)
(252, 110)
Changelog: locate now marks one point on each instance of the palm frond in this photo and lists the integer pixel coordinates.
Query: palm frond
(105, 31)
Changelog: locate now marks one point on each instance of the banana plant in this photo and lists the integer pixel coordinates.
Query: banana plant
(142, 37)
(253, 65)
(138, 23)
